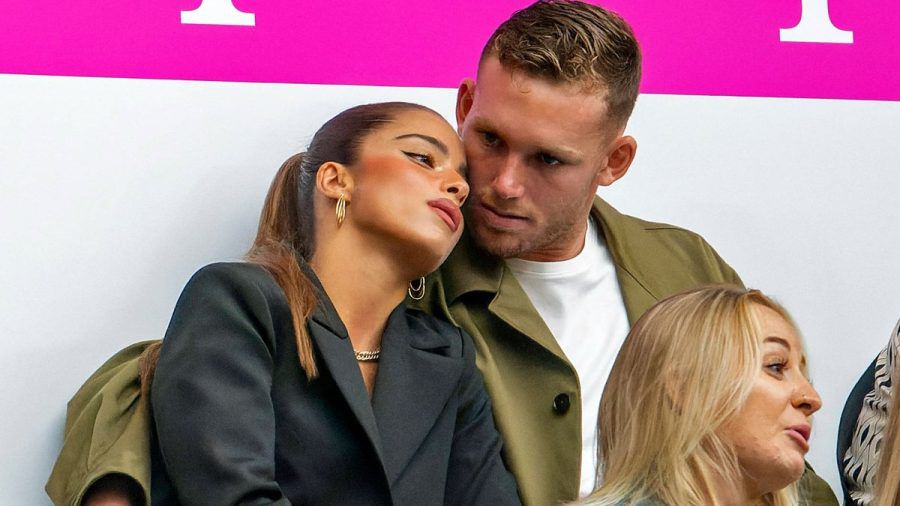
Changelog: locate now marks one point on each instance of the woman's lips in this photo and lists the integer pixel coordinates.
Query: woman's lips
(448, 211)
(800, 434)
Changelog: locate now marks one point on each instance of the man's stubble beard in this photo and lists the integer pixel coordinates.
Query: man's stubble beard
(505, 245)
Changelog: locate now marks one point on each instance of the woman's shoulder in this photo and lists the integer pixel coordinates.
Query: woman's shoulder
(235, 276)
(240, 286)
(235, 272)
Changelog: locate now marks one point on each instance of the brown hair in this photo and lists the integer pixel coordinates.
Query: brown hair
(286, 230)
(573, 42)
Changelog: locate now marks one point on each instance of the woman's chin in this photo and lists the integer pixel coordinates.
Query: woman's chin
(424, 263)
(429, 256)
(787, 470)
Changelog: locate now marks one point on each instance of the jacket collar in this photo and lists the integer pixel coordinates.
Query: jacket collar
(327, 316)
(468, 269)
(416, 377)
(623, 235)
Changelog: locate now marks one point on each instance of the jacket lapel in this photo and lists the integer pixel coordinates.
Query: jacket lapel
(469, 270)
(508, 306)
(415, 381)
(636, 292)
(332, 341)
(337, 354)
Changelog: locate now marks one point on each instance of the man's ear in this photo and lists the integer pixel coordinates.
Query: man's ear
(621, 154)
(333, 180)
(465, 97)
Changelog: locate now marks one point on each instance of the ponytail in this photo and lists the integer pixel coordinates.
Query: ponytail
(283, 236)
(287, 224)
(286, 230)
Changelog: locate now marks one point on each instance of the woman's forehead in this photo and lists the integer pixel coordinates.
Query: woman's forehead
(415, 123)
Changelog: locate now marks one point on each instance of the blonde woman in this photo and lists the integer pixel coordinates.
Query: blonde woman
(708, 403)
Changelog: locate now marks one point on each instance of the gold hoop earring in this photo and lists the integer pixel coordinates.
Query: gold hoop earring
(416, 292)
(340, 209)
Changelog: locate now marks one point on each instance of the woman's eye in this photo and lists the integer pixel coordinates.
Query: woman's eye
(422, 158)
(776, 368)
(546, 159)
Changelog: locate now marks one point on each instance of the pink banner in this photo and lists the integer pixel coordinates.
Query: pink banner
(847, 49)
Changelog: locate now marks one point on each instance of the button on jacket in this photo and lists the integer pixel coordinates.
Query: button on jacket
(525, 370)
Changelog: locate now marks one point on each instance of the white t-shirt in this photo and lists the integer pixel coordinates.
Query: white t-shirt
(580, 301)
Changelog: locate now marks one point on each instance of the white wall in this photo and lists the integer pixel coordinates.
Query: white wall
(112, 192)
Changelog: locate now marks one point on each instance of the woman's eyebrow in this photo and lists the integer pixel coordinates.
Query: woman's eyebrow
(427, 138)
(778, 340)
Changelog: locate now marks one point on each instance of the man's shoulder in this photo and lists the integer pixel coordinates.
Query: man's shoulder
(621, 226)
(661, 257)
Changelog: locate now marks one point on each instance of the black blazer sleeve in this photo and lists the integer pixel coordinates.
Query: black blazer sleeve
(476, 474)
(211, 392)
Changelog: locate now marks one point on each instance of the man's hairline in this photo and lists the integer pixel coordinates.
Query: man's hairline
(520, 71)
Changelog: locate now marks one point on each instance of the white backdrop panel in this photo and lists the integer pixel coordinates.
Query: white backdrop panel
(114, 191)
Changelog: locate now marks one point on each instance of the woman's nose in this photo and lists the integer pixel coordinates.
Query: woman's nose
(806, 398)
(458, 189)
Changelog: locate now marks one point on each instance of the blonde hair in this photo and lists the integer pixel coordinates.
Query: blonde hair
(686, 368)
(887, 480)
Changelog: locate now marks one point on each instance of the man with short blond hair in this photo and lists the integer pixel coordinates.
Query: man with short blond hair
(549, 278)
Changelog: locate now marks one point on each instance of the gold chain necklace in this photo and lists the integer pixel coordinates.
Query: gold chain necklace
(367, 355)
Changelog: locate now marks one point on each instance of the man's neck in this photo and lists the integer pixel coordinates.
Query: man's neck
(564, 248)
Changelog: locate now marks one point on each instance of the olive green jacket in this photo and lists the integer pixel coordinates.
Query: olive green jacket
(107, 422)
(107, 431)
(523, 366)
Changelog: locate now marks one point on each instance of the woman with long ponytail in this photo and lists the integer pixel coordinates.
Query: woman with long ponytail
(299, 376)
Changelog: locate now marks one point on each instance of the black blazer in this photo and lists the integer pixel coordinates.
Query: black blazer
(238, 423)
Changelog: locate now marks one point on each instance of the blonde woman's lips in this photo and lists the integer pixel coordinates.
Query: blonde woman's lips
(800, 433)
(448, 211)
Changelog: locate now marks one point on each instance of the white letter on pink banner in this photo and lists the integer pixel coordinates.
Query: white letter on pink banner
(815, 26)
(217, 12)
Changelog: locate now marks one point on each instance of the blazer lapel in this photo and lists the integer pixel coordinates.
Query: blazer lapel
(333, 343)
(414, 383)
(338, 356)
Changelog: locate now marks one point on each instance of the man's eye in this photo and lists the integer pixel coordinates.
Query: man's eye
(546, 159)
(424, 159)
(490, 139)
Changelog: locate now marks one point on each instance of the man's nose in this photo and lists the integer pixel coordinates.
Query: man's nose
(508, 181)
